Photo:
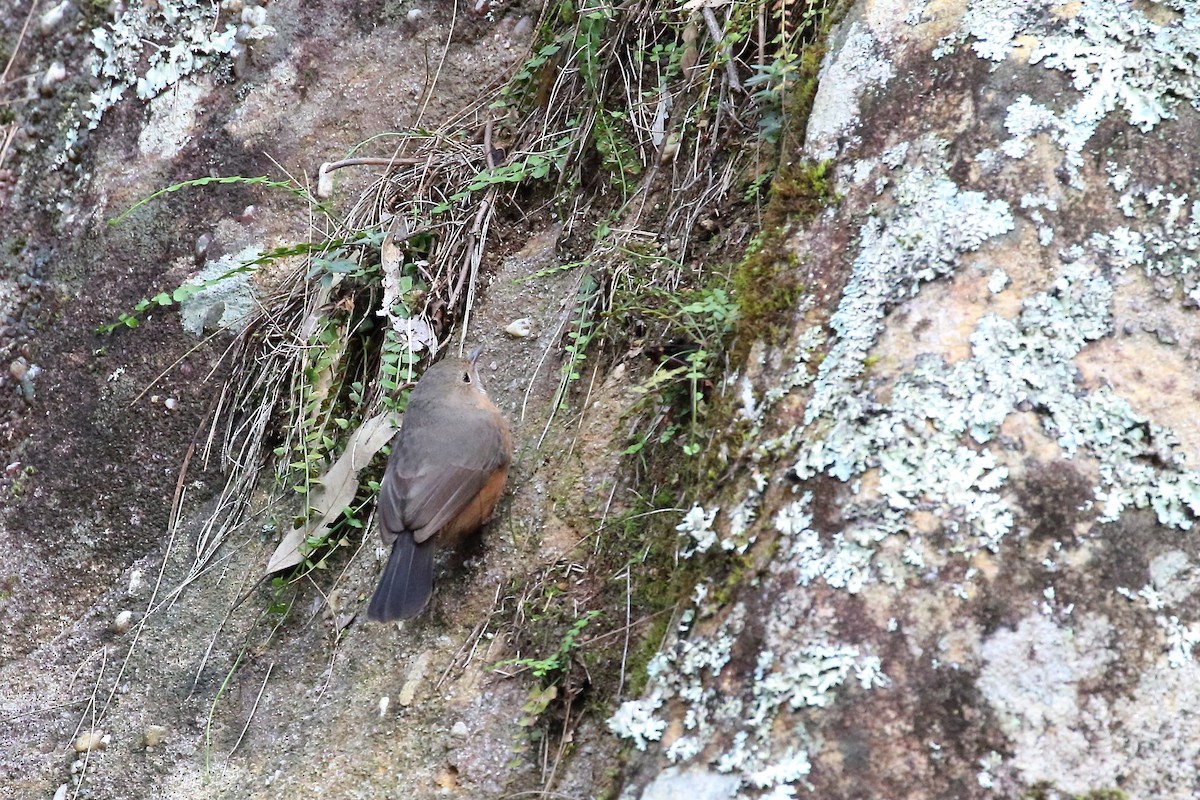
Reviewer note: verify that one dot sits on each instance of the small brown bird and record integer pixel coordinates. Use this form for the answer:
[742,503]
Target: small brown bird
[446,472]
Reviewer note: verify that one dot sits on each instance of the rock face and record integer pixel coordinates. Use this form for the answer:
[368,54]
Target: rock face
[111,683]
[972,489]
[956,558]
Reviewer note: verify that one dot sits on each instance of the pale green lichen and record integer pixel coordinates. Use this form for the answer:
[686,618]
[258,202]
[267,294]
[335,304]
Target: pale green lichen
[997,281]
[1116,54]
[797,375]
[794,671]
[992,24]
[697,529]
[1165,591]
[932,224]
[858,67]
[1163,234]
[1117,57]
[915,441]
[149,47]
[228,302]
[929,434]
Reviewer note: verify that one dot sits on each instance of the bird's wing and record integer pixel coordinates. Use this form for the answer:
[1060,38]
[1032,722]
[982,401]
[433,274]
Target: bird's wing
[441,496]
[422,497]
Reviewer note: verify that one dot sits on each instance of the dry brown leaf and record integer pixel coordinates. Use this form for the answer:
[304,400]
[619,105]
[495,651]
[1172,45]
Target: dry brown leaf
[337,489]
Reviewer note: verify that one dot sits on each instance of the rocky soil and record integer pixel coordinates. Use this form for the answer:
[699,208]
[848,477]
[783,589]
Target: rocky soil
[112,684]
[941,546]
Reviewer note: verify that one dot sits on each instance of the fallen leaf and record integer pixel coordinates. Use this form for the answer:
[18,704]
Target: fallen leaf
[337,489]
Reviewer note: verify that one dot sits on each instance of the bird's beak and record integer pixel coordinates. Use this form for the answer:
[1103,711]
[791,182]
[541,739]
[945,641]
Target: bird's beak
[475,354]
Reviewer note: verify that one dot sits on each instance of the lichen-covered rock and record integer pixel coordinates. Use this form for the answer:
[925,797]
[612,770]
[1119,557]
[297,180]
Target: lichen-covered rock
[974,484]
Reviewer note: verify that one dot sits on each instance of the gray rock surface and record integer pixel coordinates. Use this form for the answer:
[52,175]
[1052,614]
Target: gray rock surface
[959,535]
[976,473]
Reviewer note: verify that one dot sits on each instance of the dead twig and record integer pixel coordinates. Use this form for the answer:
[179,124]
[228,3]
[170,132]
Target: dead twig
[253,708]
[12,58]
[718,36]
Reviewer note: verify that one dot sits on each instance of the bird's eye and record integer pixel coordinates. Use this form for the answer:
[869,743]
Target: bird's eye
[466,377]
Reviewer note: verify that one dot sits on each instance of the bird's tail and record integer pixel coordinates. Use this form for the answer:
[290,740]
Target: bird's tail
[407,581]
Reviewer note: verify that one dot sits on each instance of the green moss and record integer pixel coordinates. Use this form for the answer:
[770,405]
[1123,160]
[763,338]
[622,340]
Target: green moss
[633,563]
[799,191]
[766,283]
[639,657]
[610,784]
[767,288]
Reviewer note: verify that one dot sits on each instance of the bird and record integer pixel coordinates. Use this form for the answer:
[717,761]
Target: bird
[446,472]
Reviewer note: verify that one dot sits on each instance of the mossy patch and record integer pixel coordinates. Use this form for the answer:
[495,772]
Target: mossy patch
[766,283]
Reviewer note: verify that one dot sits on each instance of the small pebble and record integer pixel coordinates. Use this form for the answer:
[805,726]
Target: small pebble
[18,369]
[447,779]
[460,729]
[203,242]
[171,403]
[123,621]
[415,14]
[415,678]
[55,75]
[53,17]
[384,702]
[324,182]
[91,740]
[154,735]
[61,793]
[520,328]
[254,16]
[670,149]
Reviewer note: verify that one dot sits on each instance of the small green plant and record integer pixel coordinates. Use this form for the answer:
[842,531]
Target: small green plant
[330,372]
[326,255]
[548,271]
[262,180]
[19,484]
[552,668]
[696,326]
[770,84]
[774,80]
[279,607]
[583,328]
[617,154]
[521,169]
